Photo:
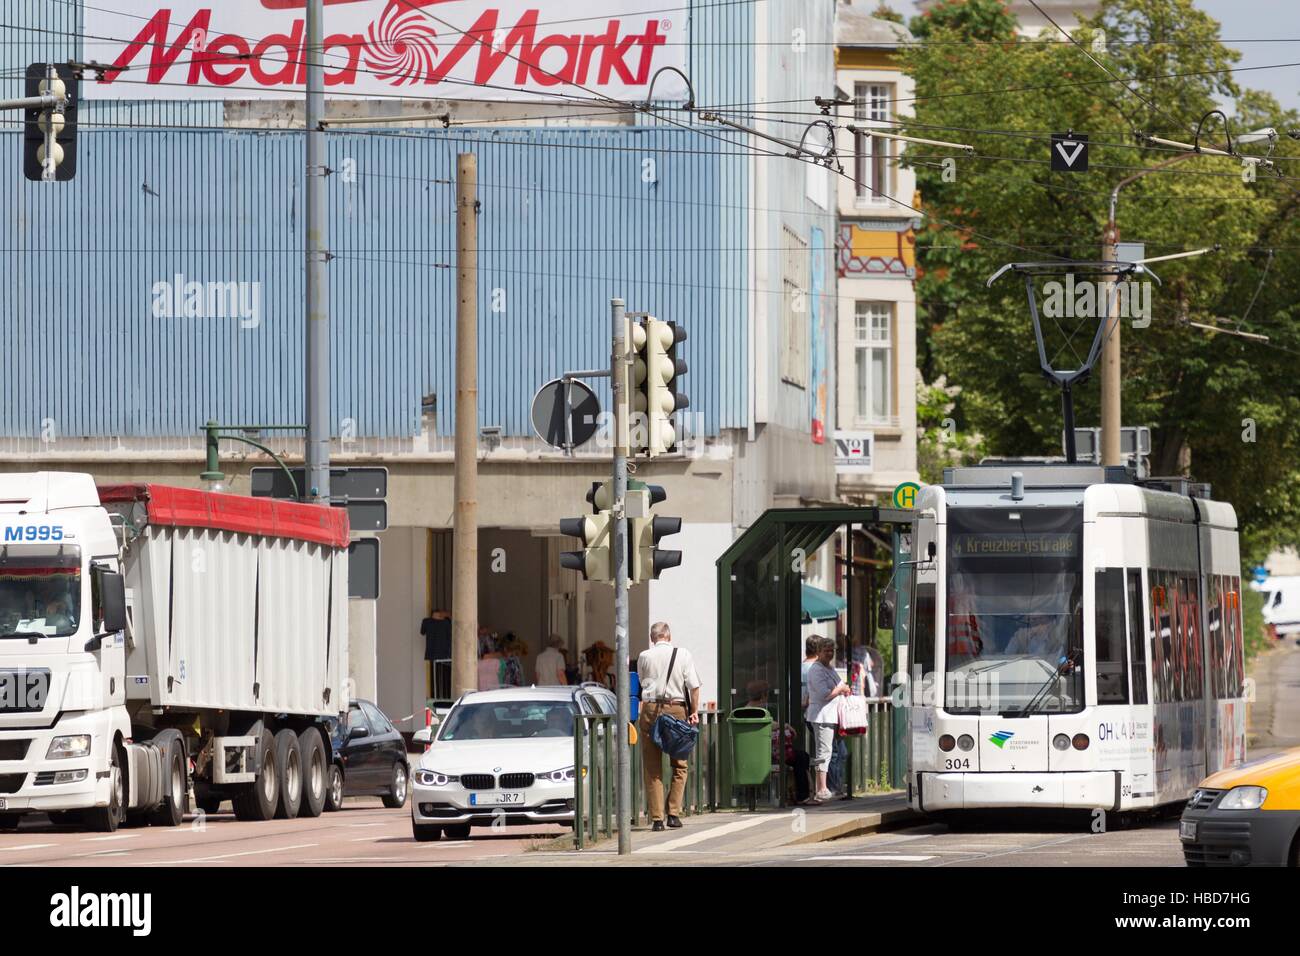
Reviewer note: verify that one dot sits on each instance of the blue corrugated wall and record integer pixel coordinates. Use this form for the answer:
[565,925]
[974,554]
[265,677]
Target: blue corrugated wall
[570,218]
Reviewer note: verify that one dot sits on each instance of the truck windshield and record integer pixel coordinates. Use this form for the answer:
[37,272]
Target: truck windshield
[1014,623]
[40,590]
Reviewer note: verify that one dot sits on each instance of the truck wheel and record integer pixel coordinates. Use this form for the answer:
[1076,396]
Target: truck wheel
[258,802]
[109,818]
[334,793]
[315,776]
[289,762]
[176,781]
[395,798]
[425,833]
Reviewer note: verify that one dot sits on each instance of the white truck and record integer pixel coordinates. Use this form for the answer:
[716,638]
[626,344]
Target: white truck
[157,642]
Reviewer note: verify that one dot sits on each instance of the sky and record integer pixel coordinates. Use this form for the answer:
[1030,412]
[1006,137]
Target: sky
[1276,22]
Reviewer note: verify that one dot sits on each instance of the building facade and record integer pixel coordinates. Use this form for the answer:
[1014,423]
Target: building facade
[162,288]
[879,213]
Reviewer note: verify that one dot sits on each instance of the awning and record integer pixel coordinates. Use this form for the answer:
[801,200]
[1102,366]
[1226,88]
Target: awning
[819,605]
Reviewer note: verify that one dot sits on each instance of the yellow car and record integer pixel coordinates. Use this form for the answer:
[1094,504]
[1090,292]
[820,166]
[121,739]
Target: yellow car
[1249,815]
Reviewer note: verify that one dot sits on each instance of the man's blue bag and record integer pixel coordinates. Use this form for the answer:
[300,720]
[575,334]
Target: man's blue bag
[673,736]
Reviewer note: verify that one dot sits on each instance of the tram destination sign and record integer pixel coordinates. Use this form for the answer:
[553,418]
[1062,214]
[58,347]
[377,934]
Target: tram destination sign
[1024,545]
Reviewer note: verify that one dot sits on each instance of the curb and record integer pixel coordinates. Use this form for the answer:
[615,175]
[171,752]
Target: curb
[866,823]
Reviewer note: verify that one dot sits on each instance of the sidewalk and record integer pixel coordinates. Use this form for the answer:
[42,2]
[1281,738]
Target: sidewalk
[738,832]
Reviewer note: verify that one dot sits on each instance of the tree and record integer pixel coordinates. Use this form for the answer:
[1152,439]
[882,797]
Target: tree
[1205,395]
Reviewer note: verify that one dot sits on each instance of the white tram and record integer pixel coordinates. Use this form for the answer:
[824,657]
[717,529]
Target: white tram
[1075,639]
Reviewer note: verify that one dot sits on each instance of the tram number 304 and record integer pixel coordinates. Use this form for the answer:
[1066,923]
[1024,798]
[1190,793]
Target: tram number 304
[957,763]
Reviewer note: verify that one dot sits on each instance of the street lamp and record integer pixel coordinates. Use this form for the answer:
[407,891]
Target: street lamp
[213,435]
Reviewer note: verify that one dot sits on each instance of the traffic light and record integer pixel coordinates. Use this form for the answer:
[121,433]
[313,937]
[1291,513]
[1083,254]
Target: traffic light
[38,121]
[593,561]
[655,375]
[646,559]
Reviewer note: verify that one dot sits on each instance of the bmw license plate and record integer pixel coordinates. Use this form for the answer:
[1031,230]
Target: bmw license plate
[1187,830]
[494,799]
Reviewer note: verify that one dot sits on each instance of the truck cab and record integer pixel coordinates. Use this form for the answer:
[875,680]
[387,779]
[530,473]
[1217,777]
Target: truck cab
[63,724]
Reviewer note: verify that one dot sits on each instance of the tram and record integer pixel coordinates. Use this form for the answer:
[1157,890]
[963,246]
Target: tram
[1075,637]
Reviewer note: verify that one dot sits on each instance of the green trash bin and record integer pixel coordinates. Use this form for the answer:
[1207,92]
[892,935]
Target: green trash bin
[751,745]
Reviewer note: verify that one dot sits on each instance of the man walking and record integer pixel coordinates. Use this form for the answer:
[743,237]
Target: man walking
[669,685]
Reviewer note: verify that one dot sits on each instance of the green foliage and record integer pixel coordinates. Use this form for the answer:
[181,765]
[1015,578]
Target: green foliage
[886,12]
[940,443]
[1199,391]
[1255,636]
[978,19]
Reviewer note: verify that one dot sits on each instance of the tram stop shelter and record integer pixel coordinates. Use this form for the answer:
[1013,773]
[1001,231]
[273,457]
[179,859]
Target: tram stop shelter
[763,599]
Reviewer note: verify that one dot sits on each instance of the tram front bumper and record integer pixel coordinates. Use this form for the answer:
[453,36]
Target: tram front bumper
[1065,790]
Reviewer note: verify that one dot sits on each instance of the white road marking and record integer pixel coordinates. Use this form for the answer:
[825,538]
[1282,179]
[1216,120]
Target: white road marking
[708,834]
[25,846]
[883,857]
[103,853]
[115,836]
[228,856]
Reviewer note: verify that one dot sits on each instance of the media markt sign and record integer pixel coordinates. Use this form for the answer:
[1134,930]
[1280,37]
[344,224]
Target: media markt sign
[454,49]
[854,452]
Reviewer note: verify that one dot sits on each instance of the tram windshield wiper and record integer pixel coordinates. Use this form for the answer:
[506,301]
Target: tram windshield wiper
[1068,663]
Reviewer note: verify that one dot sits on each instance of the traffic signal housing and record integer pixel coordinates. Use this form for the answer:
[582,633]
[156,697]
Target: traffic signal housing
[657,371]
[646,560]
[37,121]
[596,533]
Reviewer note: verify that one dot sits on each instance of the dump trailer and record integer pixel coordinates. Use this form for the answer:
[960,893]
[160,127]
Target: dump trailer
[160,645]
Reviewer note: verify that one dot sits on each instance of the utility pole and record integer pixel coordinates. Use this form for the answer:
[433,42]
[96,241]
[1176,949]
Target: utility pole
[464,597]
[618,366]
[1111,412]
[1110,354]
[316,458]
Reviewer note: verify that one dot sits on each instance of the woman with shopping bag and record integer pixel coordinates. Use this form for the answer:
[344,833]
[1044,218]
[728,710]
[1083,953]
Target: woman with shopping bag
[825,690]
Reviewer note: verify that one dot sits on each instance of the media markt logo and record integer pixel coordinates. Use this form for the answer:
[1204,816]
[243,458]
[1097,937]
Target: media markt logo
[1000,737]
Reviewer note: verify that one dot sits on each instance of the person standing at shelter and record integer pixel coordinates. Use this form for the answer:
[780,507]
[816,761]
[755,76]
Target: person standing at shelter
[549,669]
[824,690]
[669,685]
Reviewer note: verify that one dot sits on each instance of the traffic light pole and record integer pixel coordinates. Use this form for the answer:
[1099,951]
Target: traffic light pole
[619,379]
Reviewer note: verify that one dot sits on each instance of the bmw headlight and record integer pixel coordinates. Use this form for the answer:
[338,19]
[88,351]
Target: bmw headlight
[432,778]
[563,775]
[1243,798]
[77,745]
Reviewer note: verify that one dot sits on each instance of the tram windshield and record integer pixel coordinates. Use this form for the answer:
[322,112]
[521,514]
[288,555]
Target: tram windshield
[1014,611]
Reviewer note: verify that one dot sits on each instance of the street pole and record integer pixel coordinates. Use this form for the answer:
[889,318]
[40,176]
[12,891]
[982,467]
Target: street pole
[464,597]
[316,458]
[619,379]
[1110,355]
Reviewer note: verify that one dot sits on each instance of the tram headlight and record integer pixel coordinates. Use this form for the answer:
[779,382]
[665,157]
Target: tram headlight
[966,742]
[1061,742]
[1080,741]
[1243,798]
[946,743]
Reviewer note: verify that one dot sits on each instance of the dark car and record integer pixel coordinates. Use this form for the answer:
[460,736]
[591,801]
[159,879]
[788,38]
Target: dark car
[370,758]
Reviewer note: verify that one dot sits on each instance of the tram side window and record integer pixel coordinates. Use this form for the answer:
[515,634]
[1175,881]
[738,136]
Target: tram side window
[1216,637]
[1137,637]
[922,636]
[1162,600]
[1112,665]
[1194,684]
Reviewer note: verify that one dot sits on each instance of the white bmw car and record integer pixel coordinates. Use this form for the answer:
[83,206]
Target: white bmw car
[502,756]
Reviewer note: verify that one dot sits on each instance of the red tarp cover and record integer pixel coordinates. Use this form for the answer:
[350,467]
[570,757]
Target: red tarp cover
[189,508]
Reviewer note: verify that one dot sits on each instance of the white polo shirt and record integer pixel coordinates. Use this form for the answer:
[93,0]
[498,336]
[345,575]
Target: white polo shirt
[656,683]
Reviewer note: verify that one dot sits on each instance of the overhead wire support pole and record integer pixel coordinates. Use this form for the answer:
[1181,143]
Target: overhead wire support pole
[618,366]
[464,577]
[317,400]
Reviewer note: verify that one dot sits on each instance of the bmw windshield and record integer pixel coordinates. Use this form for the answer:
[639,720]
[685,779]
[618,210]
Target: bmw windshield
[1014,621]
[40,590]
[509,720]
